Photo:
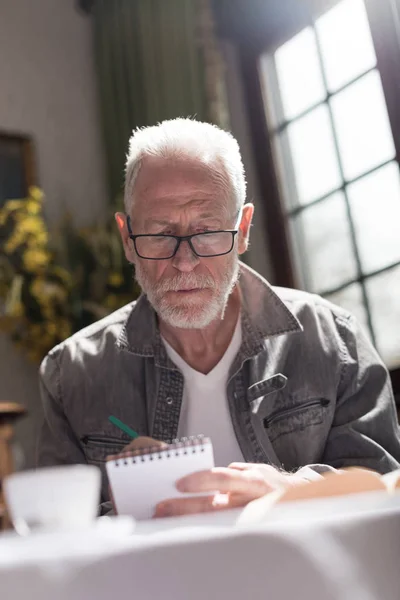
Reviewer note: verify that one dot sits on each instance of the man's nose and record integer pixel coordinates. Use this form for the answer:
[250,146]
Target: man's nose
[185,259]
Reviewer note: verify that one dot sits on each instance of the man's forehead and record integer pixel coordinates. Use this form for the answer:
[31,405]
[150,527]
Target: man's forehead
[193,211]
[158,176]
[167,189]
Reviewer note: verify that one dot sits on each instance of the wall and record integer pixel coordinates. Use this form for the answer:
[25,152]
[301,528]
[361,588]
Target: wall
[47,90]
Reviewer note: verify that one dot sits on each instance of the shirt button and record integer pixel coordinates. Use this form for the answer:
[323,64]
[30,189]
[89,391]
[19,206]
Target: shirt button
[235,395]
[169,400]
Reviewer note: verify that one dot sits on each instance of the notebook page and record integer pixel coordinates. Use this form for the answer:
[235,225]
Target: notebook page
[139,483]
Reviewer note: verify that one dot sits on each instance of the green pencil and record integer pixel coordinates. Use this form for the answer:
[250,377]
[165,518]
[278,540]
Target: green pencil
[123,427]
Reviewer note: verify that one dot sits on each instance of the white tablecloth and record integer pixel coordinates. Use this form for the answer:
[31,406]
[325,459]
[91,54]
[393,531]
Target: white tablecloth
[332,550]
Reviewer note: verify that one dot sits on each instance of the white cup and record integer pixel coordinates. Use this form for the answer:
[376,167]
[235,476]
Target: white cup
[64,497]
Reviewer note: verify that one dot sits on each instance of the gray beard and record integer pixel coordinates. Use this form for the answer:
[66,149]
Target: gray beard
[188,315]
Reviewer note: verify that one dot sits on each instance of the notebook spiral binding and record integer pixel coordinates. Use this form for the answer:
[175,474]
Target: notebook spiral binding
[179,447]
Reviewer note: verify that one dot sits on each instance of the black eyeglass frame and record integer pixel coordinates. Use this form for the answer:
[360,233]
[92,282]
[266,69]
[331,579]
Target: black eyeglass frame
[183,238]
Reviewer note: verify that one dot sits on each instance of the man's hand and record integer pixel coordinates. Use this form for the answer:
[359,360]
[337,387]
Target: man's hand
[144,442]
[237,485]
[230,487]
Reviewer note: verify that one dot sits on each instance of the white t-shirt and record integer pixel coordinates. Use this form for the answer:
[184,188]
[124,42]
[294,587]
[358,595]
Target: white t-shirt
[205,407]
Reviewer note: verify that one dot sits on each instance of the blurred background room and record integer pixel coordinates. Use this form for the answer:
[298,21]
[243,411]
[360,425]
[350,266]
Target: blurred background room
[311,90]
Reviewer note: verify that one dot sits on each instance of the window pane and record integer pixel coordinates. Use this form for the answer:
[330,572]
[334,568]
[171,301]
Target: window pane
[362,126]
[346,43]
[351,299]
[375,208]
[324,244]
[384,293]
[299,74]
[313,154]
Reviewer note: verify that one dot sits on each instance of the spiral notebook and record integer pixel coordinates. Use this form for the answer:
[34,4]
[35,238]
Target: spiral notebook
[141,479]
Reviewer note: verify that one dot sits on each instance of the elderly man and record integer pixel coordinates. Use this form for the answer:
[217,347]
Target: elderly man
[277,377]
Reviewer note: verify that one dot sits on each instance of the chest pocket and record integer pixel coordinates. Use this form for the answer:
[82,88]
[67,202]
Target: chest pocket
[283,412]
[98,447]
[296,414]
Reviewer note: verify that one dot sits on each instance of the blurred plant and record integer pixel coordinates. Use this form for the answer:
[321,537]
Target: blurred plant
[52,286]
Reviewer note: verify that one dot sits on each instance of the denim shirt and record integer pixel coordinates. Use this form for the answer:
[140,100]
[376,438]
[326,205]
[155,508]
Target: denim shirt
[306,387]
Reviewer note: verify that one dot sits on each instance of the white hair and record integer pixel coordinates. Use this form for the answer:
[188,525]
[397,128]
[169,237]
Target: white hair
[192,140]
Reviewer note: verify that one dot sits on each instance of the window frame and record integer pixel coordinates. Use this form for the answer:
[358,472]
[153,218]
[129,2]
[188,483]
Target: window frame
[251,46]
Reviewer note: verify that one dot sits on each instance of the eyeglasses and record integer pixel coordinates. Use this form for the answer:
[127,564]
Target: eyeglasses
[159,246]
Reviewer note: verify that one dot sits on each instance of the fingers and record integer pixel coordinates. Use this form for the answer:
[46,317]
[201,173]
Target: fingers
[225,480]
[237,485]
[190,506]
[144,442]
[240,466]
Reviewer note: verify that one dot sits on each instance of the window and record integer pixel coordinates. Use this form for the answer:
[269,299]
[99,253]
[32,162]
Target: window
[336,160]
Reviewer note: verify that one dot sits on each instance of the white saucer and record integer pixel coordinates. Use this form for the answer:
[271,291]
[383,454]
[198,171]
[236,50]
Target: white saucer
[108,527]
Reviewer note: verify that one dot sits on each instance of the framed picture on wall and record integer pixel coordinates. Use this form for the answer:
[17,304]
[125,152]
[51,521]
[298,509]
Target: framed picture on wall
[17,171]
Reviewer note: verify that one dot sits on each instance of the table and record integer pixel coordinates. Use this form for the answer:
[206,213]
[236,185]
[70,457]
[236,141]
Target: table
[342,549]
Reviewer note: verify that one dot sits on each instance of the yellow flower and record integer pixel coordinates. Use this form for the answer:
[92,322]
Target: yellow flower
[26,230]
[32,224]
[50,285]
[35,259]
[36,193]
[33,207]
[62,274]
[13,242]
[9,207]
[37,241]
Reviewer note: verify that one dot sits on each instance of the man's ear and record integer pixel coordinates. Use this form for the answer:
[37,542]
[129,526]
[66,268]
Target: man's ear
[244,227]
[127,243]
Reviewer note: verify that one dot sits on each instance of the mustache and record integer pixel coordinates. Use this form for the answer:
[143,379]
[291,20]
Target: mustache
[185,282]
